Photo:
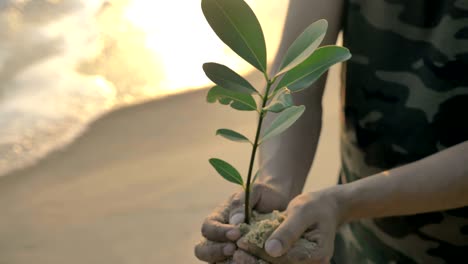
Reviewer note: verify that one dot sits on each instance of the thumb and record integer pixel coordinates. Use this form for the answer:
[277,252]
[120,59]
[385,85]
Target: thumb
[286,235]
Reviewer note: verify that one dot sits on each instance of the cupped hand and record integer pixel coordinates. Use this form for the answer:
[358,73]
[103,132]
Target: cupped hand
[220,229]
[313,216]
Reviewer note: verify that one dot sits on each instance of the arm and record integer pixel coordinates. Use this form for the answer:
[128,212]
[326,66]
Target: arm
[438,182]
[285,156]
[435,183]
[286,160]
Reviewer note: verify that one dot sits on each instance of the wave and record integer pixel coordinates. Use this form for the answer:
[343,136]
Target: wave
[62,65]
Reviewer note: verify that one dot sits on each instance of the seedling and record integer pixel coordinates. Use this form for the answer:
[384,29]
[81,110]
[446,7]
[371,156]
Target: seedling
[304,62]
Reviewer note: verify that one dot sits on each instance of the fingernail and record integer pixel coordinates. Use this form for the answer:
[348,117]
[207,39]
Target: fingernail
[241,243]
[233,234]
[273,248]
[229,250]
[236,219]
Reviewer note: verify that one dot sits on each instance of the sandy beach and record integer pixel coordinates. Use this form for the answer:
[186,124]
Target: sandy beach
[135,187]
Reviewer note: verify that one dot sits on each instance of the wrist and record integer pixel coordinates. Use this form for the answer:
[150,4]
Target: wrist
[283,186]
[340,200]
[356,201]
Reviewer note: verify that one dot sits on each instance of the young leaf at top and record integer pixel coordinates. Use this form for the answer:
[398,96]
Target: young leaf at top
[227,78]
[283,121]
[282,100]
[237,26]
[306,73]
[239,101]
[227,171]
[232,135]
[304,45]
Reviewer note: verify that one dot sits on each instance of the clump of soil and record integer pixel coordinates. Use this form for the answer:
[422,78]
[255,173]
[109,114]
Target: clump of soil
[262,226]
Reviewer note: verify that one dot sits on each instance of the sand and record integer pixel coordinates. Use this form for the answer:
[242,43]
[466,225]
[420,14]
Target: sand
[135,187]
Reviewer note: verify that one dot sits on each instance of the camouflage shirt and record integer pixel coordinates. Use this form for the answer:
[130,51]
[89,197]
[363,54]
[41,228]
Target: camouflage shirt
[406,98]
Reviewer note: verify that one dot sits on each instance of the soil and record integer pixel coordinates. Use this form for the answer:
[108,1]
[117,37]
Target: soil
[262,226]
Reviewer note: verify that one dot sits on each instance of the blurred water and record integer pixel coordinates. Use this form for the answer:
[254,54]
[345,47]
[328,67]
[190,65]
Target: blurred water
[63,63]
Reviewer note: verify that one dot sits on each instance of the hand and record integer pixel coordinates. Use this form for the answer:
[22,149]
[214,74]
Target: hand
[315,216]
[219,228]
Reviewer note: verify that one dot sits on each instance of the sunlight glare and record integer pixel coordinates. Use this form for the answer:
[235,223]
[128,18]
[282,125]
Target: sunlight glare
[178,34]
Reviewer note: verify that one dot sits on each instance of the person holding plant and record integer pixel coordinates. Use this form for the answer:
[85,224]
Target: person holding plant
[403,191]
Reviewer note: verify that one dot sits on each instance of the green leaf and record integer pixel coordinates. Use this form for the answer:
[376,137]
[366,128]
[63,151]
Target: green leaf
[283,121]
[282,100]
[304,83]
[227,78]
[239,101]
[306,73]
[237,26]
[227,171]
[232,135]
[304,45]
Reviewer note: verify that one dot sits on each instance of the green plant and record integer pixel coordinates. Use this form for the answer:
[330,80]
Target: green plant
[237,26]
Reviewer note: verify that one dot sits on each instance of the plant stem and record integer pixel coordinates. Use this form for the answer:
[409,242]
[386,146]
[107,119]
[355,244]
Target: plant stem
[254,152]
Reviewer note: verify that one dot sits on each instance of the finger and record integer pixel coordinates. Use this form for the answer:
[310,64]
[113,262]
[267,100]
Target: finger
[267,199]
[237,212]
[306,252]
[243,257]
[301,252]
[286,234]
[218,232]
[260,253]
[314,235]
[323,242]
[312,247]
[209,251]
[252,249]
[215,227]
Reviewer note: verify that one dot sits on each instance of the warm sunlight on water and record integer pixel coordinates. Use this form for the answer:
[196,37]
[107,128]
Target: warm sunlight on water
[65,63]
[182,40]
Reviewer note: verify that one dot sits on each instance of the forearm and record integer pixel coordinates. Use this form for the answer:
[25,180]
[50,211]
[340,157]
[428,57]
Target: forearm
[287,159]
[438,182]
